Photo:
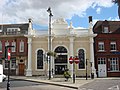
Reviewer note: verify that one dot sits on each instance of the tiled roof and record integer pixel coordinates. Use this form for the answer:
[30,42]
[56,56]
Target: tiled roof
[114,26]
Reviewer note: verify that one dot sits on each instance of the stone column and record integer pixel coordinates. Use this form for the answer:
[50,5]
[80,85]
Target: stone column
[92,57]
[93,70]
[29,67]
[29,36]
[71,51]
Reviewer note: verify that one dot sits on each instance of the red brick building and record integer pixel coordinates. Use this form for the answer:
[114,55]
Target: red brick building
[13,34]
[107,48]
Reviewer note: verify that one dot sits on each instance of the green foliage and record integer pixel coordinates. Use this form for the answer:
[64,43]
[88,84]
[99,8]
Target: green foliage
[52,54]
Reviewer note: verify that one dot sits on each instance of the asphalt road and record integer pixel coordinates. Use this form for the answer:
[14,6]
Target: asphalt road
[102,84]
[27,85]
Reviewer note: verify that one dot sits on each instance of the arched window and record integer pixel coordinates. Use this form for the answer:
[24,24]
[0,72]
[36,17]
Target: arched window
[81,56]
[40,59]
[61,49]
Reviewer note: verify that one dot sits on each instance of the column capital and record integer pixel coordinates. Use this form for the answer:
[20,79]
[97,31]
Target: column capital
[71,38]
[29,40]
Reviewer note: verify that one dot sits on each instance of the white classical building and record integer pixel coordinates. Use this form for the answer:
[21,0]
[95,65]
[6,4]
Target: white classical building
[66,41]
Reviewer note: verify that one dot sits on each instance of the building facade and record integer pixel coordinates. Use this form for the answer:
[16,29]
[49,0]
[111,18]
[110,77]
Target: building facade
[13,35]
[65,42]
[107,48]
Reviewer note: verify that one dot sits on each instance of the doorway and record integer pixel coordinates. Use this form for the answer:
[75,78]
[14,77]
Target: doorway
[61,60]
[59,69]
[102,70]
[21,69]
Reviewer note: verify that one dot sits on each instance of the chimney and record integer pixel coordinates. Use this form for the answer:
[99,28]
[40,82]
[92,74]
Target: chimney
[90,19]
[90,25]
[30,26]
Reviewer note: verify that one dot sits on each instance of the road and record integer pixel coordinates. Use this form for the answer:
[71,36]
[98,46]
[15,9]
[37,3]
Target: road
[98,84]
[102,84]
[27,85]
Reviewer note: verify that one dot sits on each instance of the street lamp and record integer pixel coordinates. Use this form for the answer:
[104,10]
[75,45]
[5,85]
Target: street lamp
[73,60]
[7,57]
[50,15]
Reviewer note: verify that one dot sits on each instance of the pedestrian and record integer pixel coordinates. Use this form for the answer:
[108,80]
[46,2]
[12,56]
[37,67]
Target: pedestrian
[66,74]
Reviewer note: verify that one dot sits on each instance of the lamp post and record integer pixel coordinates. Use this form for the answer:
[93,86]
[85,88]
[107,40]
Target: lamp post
[7,57]
[73,60]
[50,15]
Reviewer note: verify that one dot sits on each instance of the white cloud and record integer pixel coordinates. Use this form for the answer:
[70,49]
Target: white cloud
[113,19]
[98,10]
[21,10]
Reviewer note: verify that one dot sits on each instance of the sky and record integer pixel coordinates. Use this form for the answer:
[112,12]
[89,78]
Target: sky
[75,11]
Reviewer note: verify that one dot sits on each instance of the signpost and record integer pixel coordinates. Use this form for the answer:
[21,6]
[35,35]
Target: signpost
[73,60]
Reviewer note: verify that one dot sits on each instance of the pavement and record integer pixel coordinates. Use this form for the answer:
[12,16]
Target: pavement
[56,81]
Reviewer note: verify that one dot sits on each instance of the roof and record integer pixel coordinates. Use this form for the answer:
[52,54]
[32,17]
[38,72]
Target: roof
[114,26]
[23,27]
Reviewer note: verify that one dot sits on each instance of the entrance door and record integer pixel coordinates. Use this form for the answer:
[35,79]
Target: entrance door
[102,70]
[21,69]
[59,69]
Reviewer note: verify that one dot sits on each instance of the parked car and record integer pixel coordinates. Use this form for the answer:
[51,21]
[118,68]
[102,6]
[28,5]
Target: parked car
[2,77]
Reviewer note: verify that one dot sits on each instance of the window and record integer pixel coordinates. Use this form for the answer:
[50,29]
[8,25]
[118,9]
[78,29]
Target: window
[13,31]
[102,60]
[61,49]
[113,46]
[61,59]
[13,63]
[6,43]
[101,46]
[0,46]
[13,48]
[81,56]
[114,64]
[21,46]
[6,64]
[40,59]
[105,30]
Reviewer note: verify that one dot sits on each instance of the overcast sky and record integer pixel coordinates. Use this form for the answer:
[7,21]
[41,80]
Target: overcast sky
[18,11]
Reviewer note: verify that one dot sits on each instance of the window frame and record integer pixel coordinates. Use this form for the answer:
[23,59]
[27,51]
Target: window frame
[13,49]
[84,58]
[1,46]
[105,29]
[22,46]
[101,60]
[114,63]
[40,59]
[101,46]
[12,31]
[114,48]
